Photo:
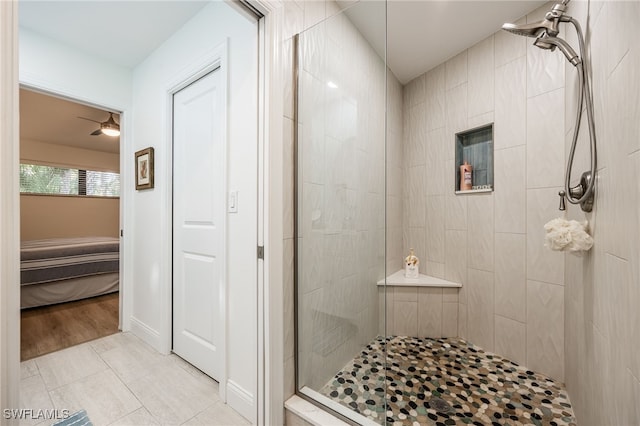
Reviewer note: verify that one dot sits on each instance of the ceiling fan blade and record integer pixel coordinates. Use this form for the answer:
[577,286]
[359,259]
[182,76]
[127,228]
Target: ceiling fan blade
[89,119]
[97,132]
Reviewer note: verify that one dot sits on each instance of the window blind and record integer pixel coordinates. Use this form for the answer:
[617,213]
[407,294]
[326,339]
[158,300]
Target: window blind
[39,179]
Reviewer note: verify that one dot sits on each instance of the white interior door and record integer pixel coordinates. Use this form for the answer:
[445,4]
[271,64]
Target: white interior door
[199,224]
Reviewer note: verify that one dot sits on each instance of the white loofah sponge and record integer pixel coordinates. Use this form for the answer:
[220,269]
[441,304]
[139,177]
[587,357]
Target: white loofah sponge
[568,235]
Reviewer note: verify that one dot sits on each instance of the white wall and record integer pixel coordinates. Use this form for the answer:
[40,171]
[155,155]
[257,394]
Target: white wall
[150,227]
[602,319]
[58,68]
[512,299]
[54,67]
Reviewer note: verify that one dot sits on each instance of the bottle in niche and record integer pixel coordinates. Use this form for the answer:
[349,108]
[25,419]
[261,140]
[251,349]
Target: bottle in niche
[411,264]
[466,172]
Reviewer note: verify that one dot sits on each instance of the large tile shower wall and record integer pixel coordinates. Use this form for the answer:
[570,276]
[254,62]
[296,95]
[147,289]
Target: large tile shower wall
[512,299]
[573,318]
[341,175]
[602,329]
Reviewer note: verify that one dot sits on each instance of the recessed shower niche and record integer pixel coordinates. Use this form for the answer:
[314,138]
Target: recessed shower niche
[474,160]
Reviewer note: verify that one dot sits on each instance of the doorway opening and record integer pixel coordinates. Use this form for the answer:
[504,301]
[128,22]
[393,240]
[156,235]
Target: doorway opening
[70,223]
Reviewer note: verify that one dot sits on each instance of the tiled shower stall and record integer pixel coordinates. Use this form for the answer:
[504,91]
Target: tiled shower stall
[573,318]
[511,301]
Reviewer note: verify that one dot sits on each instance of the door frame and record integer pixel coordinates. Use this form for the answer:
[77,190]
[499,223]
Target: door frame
[270,320]
[9,210]
[271,70]
[215,58]
[45,89]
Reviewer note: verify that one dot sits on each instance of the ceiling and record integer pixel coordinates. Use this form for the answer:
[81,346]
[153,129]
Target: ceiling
[424,34]
[122,32]
[421,35]
[54,120]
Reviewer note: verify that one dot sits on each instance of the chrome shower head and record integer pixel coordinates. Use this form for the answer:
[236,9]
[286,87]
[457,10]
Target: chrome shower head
[546,31]
[534,30]
[548,26]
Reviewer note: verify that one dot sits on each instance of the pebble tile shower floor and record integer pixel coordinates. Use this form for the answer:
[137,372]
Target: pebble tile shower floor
[446,382]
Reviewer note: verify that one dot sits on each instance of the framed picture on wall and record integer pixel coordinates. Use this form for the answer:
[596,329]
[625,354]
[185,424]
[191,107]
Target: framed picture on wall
[144,169]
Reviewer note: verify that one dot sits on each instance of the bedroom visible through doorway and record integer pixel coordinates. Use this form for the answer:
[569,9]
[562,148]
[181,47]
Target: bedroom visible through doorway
[69,223]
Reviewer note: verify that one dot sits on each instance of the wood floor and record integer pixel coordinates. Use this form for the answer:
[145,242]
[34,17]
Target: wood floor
[51,328]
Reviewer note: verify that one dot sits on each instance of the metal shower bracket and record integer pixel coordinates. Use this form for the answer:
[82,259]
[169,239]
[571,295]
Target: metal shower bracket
[578,191]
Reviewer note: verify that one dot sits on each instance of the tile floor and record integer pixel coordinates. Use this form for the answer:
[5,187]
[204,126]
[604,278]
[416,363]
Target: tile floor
[120,380]
[409,381]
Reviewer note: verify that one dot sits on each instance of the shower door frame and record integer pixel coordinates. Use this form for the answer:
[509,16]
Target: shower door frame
[342,413]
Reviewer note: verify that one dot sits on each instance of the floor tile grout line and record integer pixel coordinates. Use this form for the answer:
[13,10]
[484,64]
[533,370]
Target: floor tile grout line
[126,385]
[76,380]
[163,361]
[130,413]
[191,418]
[166,358]
[108,368]
[132,393]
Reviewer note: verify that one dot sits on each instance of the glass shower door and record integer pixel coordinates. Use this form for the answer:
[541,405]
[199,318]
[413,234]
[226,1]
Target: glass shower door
[340,217]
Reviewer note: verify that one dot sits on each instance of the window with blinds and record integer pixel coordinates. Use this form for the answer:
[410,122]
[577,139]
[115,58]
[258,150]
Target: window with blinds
[39,179]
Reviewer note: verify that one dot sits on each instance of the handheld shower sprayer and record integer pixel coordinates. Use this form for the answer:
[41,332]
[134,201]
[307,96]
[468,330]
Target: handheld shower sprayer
[546,37]
[549,42]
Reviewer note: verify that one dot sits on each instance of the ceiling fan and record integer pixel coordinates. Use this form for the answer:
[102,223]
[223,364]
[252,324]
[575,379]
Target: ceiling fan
[108,127]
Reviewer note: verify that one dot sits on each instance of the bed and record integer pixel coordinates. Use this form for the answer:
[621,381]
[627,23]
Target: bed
[66,269]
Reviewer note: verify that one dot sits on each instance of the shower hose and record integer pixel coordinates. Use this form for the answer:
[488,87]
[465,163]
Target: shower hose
[584,96]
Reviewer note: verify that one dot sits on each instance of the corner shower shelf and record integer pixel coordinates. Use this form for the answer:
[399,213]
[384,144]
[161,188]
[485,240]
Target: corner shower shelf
[398,279]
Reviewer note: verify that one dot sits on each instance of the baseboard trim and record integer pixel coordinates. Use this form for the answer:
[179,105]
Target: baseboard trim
[241,400]
[146,333]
